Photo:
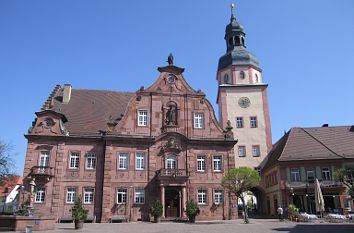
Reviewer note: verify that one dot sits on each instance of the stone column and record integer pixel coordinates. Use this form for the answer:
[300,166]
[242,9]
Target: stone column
[162,194]
[184,201]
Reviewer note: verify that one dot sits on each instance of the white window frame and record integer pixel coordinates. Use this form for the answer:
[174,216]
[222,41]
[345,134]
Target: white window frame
[140,161]
[308,171]
[123,161]
[123,193]
[218,197]
[295,175]
[239,122]
[253,122]
[239,150]
[202,197]
[142,117]
[40,195]
[171,162]
[74,160]
[201,164]
[91,161]
[326,173]
[139,197]
[198,120]
[256,151]
[217,163]
[89,195]
[43,160]
[70,195]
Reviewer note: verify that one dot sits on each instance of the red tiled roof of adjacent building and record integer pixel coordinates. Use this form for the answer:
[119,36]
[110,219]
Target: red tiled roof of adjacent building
[313,144]
[89,111]
[9,184]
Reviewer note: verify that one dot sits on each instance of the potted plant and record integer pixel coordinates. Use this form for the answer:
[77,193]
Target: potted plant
[79,213]
[156,210]
[192,210]
[293,212]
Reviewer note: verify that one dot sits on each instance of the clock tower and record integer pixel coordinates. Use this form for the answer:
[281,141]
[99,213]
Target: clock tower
[242,98]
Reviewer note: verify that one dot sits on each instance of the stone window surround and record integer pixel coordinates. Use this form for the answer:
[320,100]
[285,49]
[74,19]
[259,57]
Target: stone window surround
[221,163]
[218,191]
[168,157]
[253,120]
[238,151]
[143,161]
[122,191]
[139,191]
[205,199]
[41,154]
[259,150]
[44,192]
[74,196]
[83,195]
[201,121]
[127,161]
[239,122]
[142,123]
[203,165]
[87,154]
[69,160]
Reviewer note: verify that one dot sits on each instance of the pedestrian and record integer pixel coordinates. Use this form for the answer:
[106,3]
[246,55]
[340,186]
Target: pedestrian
[280,213]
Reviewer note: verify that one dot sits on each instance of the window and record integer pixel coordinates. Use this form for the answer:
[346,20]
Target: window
[198,120]
[70,195]
[200,163]
[202,197]
[239,122]
[242,75]
[74,160]
[123,161]
[217,163]
[88,195]
[295,174]
[139,196]
[218,197]
[326,173]
[122,196]
[226,78]
[310,175]
[139,161]
[253,122]
[242,151]
[43,159]
[40,195]
[142,118]
[171,163]
[90,161]
[256,152]
[256,78]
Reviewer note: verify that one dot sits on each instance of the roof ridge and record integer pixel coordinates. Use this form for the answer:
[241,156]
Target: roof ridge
[286,143]
[324,145]
[49,102]
[128,92]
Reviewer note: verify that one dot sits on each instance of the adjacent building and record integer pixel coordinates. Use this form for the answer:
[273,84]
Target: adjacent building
[301,156]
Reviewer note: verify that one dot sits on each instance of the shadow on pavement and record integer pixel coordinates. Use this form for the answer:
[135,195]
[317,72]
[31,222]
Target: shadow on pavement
[322,228]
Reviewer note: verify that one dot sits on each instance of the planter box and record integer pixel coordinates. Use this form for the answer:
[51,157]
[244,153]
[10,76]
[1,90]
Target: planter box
[19,223]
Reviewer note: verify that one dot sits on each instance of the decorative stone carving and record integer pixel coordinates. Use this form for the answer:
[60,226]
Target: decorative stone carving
[228,134]
[172,144]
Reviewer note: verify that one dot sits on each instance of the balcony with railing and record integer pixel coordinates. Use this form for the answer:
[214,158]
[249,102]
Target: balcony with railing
[42,171]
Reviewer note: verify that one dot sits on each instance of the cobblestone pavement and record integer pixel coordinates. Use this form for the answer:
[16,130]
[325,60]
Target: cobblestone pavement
[256,226]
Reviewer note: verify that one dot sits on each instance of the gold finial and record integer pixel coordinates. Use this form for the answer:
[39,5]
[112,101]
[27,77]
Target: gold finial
[232,6]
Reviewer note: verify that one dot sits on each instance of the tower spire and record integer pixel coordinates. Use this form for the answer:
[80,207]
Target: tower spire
[232,6]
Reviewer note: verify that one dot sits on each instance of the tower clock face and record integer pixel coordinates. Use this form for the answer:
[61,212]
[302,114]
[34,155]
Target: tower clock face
[244,102]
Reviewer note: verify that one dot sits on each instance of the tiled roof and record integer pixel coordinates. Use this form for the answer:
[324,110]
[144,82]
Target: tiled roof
[312,144]
[89,111]
[9,184]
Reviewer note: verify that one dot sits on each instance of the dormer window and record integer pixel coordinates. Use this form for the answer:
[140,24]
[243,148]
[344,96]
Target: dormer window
[242,75]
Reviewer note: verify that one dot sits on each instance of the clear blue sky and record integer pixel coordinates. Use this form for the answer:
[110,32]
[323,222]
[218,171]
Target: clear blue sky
[305,48]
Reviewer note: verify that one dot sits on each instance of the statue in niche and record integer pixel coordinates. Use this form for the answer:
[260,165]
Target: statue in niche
[171,115]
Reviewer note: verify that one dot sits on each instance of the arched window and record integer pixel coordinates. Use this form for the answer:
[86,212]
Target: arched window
[231,41]
[237,40]
[243,41]
[226,78]
[242,74]
[171,162]
[256,78]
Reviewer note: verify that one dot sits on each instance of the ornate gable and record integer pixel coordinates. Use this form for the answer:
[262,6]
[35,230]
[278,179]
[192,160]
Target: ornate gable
[49,122]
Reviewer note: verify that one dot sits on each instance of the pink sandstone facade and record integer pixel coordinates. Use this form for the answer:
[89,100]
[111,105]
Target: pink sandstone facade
[122,151]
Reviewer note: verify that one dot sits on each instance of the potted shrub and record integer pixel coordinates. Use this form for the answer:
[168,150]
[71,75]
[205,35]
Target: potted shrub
[192,210]
[79,213]
[156,210]
[293,212]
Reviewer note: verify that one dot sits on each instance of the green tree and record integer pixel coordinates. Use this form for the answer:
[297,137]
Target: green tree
[240,180]
[346,176]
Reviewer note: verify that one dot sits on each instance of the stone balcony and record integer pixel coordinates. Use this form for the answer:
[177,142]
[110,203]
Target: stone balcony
[39,171]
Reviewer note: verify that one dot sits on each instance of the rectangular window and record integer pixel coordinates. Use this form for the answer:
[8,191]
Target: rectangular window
[139,161]
[326,173]
[40,195]
[90,161]
[88,195]
[198,120]
[242,151]
[74,160]
[310,175]
[218,197]
[139,196]
[239,122]
[217,163]
[202,197]
[43,159]
[256,152]
[142,117]
[122,196]
[295,175]
[123,161]
[253,122]
[200,163]
[70,195]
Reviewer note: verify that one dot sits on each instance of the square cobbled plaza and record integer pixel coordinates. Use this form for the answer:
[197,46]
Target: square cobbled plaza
[255,226]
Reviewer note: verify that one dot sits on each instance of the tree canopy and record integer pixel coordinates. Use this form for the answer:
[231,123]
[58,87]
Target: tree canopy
[346,176]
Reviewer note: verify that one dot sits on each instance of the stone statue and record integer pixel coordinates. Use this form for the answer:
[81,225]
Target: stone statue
[171,116]
[170,59]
